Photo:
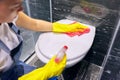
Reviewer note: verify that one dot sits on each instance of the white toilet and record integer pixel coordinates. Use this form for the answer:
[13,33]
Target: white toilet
[50,43]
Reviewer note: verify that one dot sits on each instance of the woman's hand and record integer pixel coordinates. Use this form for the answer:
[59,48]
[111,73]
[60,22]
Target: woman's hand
[51,69]
[70,26]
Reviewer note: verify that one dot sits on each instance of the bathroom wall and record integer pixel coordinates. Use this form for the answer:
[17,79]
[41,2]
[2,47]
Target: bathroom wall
[103,14]
[112,62]
[39,9]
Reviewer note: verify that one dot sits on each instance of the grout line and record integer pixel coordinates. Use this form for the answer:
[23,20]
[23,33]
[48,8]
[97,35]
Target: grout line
[29,57]
[28,7]
[50,10]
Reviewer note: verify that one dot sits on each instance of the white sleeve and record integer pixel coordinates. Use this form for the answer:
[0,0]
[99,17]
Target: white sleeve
[5,60]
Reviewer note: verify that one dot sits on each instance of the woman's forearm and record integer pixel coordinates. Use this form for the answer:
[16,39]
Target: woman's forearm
[27,22]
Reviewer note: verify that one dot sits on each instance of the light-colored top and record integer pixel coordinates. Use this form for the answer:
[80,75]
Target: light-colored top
[9,38]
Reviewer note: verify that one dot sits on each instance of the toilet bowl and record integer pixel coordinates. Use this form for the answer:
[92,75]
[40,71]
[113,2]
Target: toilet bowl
[48,44]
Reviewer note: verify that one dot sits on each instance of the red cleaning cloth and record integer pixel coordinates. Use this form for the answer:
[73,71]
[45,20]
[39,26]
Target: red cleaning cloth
[78,33]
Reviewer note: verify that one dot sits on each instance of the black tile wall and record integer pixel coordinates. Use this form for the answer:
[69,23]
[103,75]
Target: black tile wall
[67,8]
[111,4]
[116,46]
[112,66]
[112,69]
[24,7]
[104,33]
[60,8]
[94,57]
[40,9]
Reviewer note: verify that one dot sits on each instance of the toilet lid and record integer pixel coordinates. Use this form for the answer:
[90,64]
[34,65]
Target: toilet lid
[49,44]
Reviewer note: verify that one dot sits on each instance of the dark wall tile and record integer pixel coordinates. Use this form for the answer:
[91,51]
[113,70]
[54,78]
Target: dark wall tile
[33,10]
[74,9]
[103,37]
[111,4]
[112,69]
[40,9]
[60,8]
[32,1]
[44,2]
[94,57]
[116,46]
[24,7]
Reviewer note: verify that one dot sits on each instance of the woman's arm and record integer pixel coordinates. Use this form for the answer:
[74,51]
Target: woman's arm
[27,22]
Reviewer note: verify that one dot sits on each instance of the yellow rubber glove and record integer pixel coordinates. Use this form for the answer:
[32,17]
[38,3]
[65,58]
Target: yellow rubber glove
[73,27]
[51,69]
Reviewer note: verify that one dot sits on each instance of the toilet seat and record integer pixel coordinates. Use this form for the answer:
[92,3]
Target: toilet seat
[50,43]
